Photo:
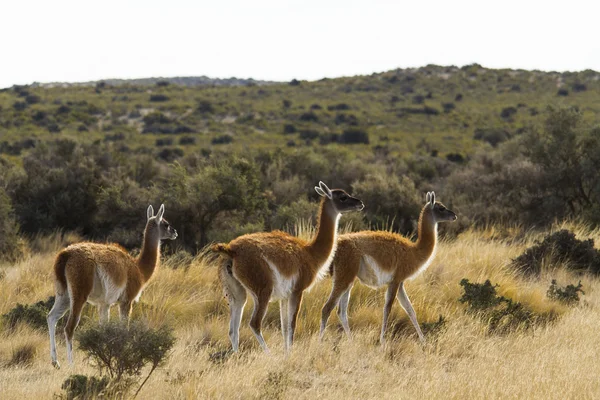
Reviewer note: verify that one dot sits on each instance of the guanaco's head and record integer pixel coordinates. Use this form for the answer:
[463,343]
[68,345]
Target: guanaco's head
[342,201]
[439,211]
[165,230]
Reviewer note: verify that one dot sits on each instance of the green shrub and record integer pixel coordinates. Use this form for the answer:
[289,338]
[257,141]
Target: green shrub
[479,296]
[354,136]
[391,201]
[158,98]
[568,295]
[502,315]
[122,352]
[81,387]
[561,246]
[32,314]
[12,246]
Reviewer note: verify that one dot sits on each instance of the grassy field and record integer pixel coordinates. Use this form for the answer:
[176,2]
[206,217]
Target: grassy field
[464,360]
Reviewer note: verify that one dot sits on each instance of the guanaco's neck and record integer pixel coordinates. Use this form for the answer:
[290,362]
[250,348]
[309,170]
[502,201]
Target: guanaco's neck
[323,242]
[148,259]
[427,233]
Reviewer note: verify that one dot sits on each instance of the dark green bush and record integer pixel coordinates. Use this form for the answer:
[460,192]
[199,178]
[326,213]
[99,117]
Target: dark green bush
[479,296]
[568,295]
[223,139]
[508,112]
[391,201]
[561,246]
[158,98]
[493,136]
[81,387]
[123,352]
[205,107]
[289,129]
[502,315]
[309,117]
[187,140]
[354,136]
[12,246]
[32,314]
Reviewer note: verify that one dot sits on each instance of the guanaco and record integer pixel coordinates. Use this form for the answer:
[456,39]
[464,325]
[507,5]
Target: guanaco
[381,258]
[277,266]
[102,275]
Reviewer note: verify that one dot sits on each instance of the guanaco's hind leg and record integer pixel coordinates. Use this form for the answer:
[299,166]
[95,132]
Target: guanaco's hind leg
[294,303]
[78,300]
[60,307]
[339,290]
[261,302]
[125,311]
[343,311]
[345,269]
[390,294]
[80,282]
[407,306]
[283,314]
[103,313]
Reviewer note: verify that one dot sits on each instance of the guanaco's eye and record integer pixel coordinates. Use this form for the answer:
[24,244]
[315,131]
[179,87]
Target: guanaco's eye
[442,208]
[343,197]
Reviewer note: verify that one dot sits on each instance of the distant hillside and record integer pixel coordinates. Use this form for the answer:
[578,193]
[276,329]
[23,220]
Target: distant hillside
[446,111]
[178,80]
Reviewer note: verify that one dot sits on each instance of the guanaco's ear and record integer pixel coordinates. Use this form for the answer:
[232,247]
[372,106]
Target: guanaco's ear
[320,191]
[325,190]
[428,197]
[432,199]
[150,212]
[160,212]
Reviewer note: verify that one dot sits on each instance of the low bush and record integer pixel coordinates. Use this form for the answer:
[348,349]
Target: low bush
[493,136]
[32,314]
[502,315]
[561,246]
[223,139]
[309,117]
[81,387]
[354,136]
[567,295]
[508,112]
[122,353]
[158,98]
[187,140]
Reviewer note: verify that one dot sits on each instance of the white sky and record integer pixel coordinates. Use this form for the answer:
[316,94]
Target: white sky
[62,40]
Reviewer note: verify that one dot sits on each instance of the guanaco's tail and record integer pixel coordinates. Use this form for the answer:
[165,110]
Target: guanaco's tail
[59,271]
[222,248]
[233,290]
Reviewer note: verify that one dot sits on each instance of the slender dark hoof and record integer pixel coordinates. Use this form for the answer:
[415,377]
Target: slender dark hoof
[55,364]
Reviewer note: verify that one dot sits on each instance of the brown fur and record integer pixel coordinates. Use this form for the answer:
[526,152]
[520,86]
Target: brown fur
[397,258]
[292,257]
[104,274]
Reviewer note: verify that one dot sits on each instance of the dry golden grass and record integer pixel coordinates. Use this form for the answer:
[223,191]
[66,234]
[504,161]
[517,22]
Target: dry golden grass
[557,360]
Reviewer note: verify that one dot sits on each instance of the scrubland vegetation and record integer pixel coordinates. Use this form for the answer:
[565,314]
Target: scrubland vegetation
[509,307]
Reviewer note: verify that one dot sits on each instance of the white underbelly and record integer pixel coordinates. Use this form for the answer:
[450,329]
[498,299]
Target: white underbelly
[104,291]
[282,285]
[371,274]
